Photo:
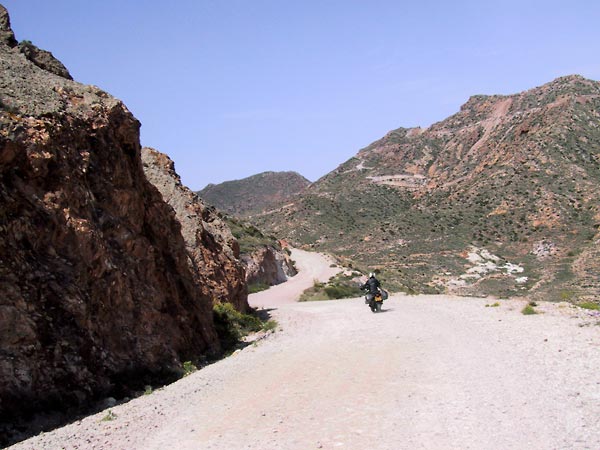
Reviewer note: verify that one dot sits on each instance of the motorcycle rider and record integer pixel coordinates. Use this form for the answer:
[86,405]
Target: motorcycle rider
[372,285]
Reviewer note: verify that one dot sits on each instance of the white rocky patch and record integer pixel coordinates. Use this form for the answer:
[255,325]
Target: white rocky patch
[483,263]
[512,268]
[360,166]
[543,249]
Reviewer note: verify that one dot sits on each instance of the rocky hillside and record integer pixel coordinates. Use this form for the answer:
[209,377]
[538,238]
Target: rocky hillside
[98,297]
[214,252]
[226,253]
[254,194]
[500,198]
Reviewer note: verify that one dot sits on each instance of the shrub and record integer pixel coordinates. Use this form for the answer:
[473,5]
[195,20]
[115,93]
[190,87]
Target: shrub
[566,295]
[232,325]
[528,310]
[257,287]
[317,284]
[590,305]
[270,325]
[337,292]
[188,368]
[109,416]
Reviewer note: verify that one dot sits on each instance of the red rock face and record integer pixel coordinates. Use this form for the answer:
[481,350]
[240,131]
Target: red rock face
[214,252]
[97,294]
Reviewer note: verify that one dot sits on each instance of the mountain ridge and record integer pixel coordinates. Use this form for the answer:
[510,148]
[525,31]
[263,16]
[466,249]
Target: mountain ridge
[254,194]
[507,174]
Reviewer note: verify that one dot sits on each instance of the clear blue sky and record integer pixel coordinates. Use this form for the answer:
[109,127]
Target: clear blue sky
[231,88]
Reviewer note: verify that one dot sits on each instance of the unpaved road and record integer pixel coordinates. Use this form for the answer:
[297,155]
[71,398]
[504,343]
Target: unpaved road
[430,372]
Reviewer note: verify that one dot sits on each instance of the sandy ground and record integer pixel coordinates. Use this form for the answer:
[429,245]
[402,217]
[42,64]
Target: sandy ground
[429,372]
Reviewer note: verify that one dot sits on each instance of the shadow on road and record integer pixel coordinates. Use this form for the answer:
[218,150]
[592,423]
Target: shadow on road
[264,313]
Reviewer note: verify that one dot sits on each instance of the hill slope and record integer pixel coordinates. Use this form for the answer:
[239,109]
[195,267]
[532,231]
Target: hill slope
[500,198]
[254,194]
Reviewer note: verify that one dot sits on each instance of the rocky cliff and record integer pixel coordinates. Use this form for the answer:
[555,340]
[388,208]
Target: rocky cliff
[97,293]
[264,257]
[268,265]
[214,252]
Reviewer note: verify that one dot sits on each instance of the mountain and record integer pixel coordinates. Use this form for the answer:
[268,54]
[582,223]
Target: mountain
[501,198]
[99,297]
[254,194]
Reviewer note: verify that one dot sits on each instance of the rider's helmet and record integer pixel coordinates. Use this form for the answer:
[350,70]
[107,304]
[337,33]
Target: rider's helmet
[371,275]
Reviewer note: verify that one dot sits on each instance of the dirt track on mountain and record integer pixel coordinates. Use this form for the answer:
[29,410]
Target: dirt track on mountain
[429,372]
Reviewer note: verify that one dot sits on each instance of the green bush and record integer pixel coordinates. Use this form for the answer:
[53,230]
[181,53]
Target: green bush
[566,295]
[270,325]
[338,287]
[257,287]
[232,325]
[590,305]
[109,416]
[340,291]
[188,368]
[528,310]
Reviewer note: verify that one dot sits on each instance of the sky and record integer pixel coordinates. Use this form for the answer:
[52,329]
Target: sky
[232,88]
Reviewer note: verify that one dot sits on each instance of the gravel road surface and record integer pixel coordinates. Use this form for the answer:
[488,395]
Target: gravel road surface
[429,372]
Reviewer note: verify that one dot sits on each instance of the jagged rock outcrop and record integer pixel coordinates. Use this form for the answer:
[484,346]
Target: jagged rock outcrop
[268,266]
[7,37]
[44,60]
[214,252]
[41,58]
[97,294]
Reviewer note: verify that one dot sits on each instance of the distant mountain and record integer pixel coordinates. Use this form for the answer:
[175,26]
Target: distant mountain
[500,198]
[255,194]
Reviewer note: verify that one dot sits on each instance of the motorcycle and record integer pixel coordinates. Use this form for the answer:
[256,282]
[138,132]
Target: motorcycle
[375,301]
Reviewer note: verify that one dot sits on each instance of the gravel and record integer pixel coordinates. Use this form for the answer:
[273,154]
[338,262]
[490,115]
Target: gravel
[429,372]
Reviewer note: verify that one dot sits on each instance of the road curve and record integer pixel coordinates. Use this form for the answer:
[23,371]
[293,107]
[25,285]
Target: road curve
[311,267]
[429,372]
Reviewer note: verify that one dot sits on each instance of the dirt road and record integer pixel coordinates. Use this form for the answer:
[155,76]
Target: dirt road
[430,372]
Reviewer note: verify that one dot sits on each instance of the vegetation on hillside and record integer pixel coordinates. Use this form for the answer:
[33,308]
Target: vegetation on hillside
[516,178]
[254,194]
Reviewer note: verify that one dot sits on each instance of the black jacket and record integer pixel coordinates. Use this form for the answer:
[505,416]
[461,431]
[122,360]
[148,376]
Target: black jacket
[372,284]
